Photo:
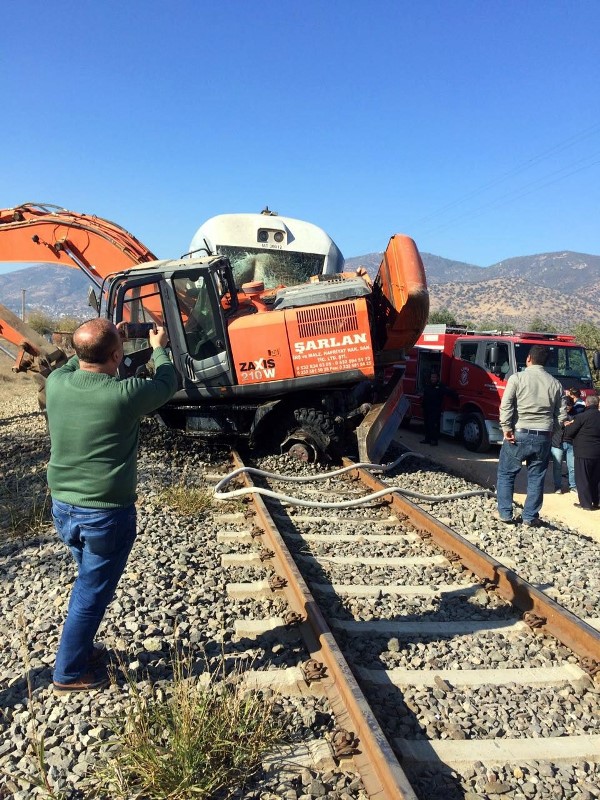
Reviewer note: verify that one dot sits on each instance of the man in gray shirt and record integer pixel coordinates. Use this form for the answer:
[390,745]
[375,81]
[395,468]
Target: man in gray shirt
[530,411]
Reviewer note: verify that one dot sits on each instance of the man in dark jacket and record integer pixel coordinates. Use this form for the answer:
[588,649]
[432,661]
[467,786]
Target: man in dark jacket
[584,432]
[433,397]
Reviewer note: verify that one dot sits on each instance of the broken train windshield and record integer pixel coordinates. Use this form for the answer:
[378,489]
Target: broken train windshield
[272,267]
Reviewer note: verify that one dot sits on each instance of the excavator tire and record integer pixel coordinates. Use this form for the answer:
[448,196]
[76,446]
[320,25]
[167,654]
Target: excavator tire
[315,434]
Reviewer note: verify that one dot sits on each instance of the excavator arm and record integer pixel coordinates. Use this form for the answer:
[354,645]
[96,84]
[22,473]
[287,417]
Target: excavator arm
[33,351]
[45,233]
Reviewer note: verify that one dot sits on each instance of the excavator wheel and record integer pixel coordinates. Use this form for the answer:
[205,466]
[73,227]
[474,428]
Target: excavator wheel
[315,436]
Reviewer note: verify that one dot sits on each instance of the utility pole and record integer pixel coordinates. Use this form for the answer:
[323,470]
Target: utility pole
[23,304]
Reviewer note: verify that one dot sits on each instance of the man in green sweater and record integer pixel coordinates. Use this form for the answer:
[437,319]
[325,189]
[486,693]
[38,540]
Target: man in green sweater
[93,418]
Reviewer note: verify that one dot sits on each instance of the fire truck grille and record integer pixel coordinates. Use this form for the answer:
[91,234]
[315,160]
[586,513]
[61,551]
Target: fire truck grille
[324,320]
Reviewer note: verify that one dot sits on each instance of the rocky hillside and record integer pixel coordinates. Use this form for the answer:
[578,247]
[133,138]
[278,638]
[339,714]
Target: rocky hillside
[566,271]
[561,288]
[513,302]
[439,270]
[55,290]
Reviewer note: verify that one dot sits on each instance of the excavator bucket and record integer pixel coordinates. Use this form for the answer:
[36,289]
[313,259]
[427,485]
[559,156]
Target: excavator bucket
[33,348]
[400,294]
[377,429]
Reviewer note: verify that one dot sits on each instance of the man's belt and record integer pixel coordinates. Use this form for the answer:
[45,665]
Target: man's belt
[530,432]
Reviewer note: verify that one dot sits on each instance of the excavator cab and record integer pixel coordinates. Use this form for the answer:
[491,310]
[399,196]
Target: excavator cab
[192,299]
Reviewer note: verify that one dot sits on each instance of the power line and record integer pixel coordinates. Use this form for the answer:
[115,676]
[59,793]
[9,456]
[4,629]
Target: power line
[526,189]
[565,144]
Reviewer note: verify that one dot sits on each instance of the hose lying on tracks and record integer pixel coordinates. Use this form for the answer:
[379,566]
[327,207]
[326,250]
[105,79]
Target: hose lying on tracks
[297,501]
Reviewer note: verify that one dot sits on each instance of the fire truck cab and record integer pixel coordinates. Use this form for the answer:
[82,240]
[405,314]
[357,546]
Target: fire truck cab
[476,365]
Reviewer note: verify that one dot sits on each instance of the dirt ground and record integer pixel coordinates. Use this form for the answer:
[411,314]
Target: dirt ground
[11,383]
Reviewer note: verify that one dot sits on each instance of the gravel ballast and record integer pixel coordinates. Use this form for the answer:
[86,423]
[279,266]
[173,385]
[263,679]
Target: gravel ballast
[172,593]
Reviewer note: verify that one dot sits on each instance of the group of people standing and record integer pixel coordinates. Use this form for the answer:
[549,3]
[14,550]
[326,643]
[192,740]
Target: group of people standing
[583,434]
[541,424]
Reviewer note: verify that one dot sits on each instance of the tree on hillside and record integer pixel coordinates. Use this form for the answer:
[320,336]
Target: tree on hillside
[44,324]
[442,317]
[41,322]
[67,324]
[589,336]
[540,325]
[492,324]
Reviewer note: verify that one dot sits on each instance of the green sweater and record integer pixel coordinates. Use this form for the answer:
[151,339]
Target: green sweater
[94,422]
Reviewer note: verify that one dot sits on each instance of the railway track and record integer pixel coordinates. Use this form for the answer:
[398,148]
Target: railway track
[447,672]
[419,688]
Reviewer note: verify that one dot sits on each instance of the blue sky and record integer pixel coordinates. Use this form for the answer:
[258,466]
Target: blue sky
[473,127]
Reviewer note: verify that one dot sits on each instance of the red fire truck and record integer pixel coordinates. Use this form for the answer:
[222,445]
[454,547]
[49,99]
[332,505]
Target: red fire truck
[477,364]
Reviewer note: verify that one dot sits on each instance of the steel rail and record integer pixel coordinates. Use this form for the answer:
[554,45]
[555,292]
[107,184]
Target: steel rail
[573,632]
[375,760]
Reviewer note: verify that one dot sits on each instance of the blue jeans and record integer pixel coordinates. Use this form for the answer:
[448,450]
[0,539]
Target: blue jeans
[100,540]
[534,451]
[570,459]
[556,456]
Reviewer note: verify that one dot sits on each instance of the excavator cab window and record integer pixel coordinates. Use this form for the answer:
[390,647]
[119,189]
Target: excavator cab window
[137,303]
[195,295]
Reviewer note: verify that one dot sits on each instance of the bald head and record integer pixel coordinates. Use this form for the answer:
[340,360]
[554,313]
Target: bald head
[96,341]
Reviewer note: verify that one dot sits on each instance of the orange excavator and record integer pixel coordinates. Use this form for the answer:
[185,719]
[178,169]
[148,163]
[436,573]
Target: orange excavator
[272,341]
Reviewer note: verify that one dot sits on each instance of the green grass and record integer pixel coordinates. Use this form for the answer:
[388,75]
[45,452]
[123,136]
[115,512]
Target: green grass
[24,509]
[186,500]
[188,740]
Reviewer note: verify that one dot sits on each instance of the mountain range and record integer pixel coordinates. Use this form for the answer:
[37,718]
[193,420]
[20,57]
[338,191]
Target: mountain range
[561,288]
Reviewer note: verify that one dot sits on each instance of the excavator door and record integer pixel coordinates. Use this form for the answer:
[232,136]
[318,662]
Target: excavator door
[187,301]
[138,302]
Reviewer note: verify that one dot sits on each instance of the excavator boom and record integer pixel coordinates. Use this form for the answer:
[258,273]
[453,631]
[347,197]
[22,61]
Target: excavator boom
[45,233]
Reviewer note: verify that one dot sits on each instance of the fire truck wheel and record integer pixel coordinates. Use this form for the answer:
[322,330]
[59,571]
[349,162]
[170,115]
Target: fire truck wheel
[474,433]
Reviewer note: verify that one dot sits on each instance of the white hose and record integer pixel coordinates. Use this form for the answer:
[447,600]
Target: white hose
[296,501]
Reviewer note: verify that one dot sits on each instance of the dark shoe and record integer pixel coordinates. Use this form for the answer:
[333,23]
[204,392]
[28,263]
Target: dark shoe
[97,657]
[572,489]
[583,508]
[533,523]
[434,444]
[85,683]
[424,441]
[511,521]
